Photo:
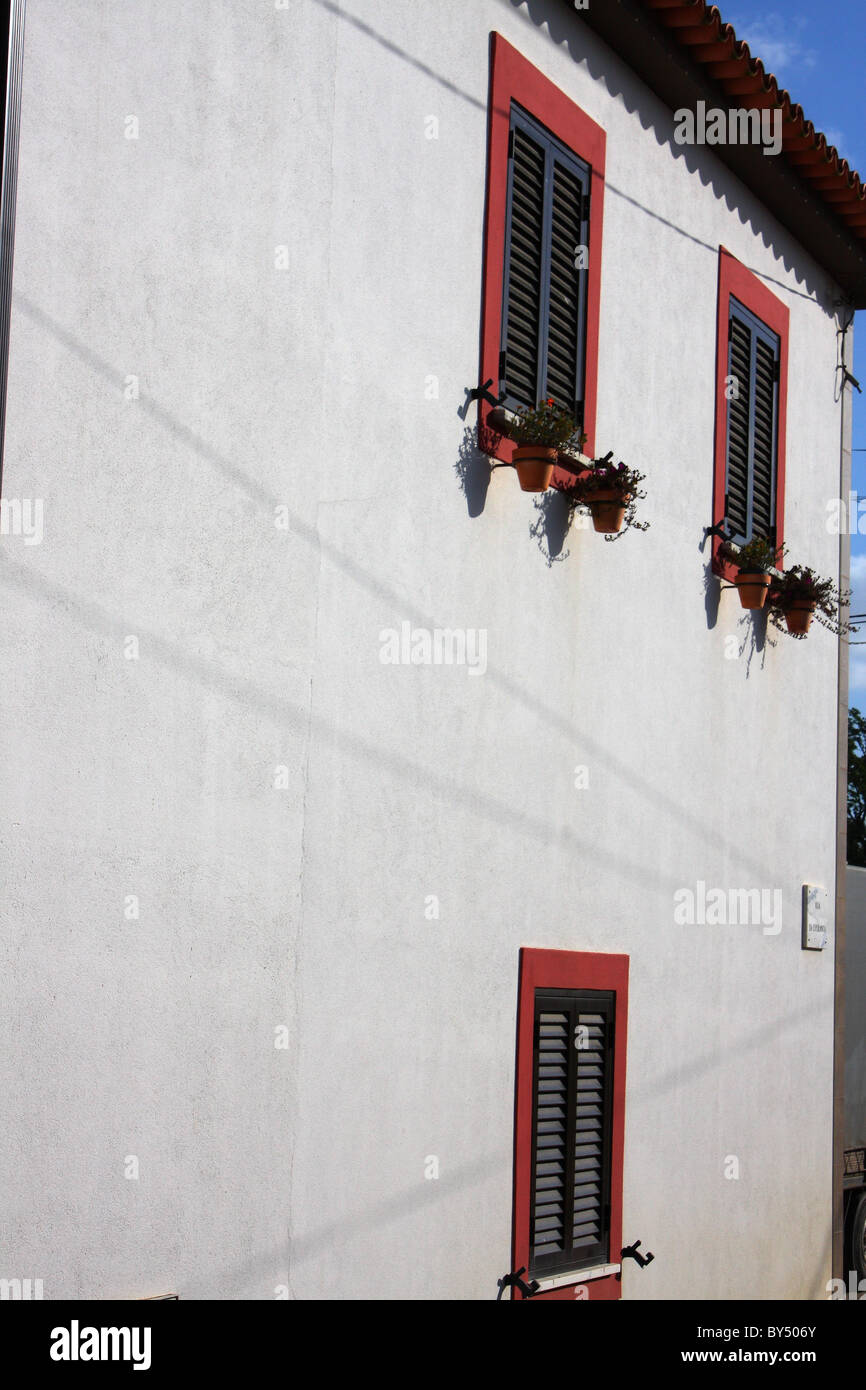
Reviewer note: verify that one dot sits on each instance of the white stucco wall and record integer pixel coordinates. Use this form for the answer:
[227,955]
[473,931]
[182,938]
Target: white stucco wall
[259,649]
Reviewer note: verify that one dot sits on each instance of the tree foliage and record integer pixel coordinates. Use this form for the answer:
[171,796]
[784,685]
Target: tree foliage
[856,788]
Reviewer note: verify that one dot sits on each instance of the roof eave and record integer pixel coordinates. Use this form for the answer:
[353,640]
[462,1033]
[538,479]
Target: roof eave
[660,59]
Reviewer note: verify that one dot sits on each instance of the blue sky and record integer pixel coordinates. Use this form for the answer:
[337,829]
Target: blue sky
[818,52]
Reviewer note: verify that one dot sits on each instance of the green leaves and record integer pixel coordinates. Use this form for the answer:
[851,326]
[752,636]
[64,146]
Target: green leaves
[801,584]
[797,584]
[548,425]
[605,476]
[757,556]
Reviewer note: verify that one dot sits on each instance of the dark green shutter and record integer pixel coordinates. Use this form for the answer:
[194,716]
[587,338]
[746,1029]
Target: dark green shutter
[588,1216]
[764,447]
[572,1116]
[544,304]
[750,471]
[523,304]
[739,415]
[564,294]
[551,1134]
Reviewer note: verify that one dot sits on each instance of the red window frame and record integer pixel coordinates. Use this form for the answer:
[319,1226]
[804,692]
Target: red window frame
[737,281]
[542,969]
[513,78]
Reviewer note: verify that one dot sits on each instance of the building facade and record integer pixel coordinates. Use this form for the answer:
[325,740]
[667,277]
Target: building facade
[328,750]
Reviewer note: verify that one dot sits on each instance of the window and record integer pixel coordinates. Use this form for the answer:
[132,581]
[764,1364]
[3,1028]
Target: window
[545,193]
[751,371]
[546,244]
[569,1211]
[753,380]
[570,1121]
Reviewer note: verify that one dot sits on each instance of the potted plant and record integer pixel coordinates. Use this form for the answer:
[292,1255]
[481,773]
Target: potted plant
[539,435]
[754,562]
[609,492]
[799,594]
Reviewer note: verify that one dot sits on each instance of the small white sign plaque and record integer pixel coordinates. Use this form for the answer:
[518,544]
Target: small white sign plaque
[816,917]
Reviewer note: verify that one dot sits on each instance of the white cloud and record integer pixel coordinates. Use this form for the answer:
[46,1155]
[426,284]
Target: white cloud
[775,39]
[780,43]
[837,138]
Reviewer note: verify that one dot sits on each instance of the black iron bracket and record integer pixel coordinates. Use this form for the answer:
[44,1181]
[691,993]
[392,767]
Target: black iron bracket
[514,1281]
[480,393]
[631,1252]
[719,529]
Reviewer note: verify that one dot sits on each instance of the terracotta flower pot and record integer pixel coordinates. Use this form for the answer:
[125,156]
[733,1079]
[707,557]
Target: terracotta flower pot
[534,465]
[608,509]
[799,615]
[752,588]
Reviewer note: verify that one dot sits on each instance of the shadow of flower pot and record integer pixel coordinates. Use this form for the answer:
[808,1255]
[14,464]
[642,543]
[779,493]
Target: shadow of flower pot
[550,527]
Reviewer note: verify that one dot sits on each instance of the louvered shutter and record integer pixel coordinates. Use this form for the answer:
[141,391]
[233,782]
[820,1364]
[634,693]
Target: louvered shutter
[570,1213]
[750,476]
[588,1215]
[550,1168]
[739,414]
[524,281]
[544,308]
[764,439]
[563,305]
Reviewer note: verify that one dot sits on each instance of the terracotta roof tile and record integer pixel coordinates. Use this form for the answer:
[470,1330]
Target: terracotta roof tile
[727,61]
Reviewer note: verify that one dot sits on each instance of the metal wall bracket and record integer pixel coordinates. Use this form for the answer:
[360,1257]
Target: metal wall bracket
[514,1281]
[719,529]
[631,1252]
[480,393]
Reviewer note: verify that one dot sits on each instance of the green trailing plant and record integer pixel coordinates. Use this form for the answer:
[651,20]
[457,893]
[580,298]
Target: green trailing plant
[757,556]
[605,476]
[801,584]
[789,588]
[549,426]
